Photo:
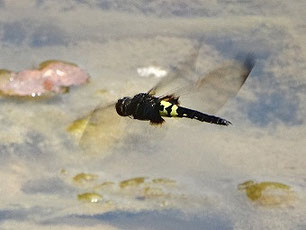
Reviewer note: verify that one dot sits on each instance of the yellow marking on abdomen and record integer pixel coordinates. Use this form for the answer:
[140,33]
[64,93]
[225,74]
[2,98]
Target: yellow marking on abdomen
[173,111]
[166,105]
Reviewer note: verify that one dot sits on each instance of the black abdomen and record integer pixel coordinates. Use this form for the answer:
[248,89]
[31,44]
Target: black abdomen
[193,114]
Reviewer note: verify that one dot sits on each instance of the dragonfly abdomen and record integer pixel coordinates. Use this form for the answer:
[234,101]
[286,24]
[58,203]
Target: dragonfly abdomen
[172,110]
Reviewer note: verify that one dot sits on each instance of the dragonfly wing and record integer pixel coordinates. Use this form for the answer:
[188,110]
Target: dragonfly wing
[101,129]
[179,76]
[210,92]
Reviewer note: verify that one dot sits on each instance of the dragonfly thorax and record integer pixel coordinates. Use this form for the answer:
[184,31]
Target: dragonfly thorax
[142,106]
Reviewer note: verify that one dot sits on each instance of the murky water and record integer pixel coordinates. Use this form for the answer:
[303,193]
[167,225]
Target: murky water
[184,175]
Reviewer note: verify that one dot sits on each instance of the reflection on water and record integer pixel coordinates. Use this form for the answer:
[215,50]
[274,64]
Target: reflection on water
[179,176]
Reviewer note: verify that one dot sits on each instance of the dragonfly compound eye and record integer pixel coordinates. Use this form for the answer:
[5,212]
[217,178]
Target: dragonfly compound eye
[122,106]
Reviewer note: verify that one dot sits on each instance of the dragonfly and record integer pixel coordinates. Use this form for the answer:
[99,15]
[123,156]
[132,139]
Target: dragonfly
[209,92]
[148,107]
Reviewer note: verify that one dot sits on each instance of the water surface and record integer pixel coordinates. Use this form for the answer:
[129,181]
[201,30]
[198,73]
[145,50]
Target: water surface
[206,163]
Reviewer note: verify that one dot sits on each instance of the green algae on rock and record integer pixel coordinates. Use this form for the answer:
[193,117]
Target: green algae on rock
[4,73]
[268,193]
[90,197]
[137,192]
[133,182]
[164,181]
[5,76]
[45,64]
[83,178]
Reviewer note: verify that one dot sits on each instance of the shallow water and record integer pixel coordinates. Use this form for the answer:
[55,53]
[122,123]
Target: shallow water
[187,173]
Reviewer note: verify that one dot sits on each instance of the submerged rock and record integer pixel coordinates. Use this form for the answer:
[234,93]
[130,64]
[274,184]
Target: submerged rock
[268,193]
[83,178]
[90,197]
[52,77]
[164,181]
[134,193]
[134,182]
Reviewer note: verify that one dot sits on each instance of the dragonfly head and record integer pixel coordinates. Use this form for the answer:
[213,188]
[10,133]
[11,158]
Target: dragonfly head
[122,106]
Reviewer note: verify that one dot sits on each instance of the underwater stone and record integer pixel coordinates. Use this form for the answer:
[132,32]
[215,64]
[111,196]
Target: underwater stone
[90,197]
[82,178]
[52,77]
[268,193]
[132,182]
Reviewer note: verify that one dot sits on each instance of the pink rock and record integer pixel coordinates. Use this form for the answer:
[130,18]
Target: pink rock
[51,77]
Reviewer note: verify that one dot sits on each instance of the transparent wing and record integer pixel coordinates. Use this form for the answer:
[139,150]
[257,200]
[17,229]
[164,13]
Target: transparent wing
[212,91]
[180,76]
[207,93]
[99,130]
[103,132]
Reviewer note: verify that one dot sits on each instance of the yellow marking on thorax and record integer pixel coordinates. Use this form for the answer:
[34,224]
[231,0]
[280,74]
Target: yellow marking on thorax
[166,105]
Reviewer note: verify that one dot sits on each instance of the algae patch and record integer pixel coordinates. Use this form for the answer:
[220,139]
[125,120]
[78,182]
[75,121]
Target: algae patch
[90,197]
[45,64]
[83,178]
[164,181]
[268,193]
[132,182]
[136,191]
